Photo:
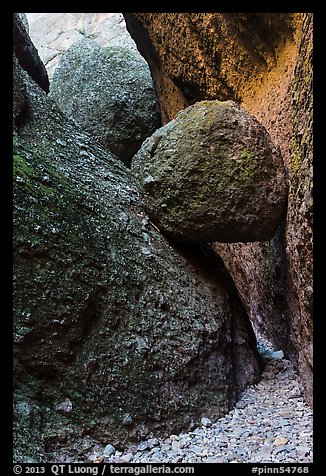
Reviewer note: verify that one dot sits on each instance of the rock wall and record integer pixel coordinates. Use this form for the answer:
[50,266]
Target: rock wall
[116,332]
[27,54]
[299,238]
[263,61]
[54,33]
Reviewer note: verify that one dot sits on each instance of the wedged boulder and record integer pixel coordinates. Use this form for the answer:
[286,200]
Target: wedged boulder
[264,62]
[109,92]
[110,319]
[212,174]
[27,54]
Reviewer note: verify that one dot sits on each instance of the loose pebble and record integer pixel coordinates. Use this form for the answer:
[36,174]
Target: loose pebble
[143,446]
[206,422]
[279,441]
[127,458]
[108,450]
[127,420]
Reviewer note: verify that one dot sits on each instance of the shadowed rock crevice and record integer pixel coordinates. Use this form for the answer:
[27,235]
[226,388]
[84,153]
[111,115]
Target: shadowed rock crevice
[260,33]
[209,264]
[201,57]
[21,117]
[264,62]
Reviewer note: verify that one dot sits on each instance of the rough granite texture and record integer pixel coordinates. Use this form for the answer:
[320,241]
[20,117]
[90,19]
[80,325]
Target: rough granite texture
[24,20]
[212,174]
[109,92]
[54,33]
[263,61]
[27,54]
[195,56]
[19,91]
[116,332]
[299,237]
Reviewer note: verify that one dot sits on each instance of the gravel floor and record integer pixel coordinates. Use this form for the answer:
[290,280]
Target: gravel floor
[270,423]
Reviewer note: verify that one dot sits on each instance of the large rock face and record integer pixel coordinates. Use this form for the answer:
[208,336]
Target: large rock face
[195,56]
[24,20]
[109,92]
[19,92]
[212,174]
[112,324]
[27,54]
[54,33]
[299,237]
[263,61]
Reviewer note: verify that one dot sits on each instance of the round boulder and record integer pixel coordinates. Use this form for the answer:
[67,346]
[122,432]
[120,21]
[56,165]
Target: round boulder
[109,92]
[212,174]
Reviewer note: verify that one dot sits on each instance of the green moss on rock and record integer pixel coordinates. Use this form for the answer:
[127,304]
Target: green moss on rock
[109,92]
[212,174]
[107,313]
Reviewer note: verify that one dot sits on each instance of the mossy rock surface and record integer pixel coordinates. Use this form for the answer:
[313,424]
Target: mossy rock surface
[19,91]
[212,174]
[109,92]
[109,318]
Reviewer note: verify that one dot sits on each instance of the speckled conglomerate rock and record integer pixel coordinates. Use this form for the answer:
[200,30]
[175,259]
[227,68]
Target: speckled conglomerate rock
[54,33]
[109,92]
[299,236]
[195,56]
[19,91]
[24,20]
[212,174]
[116,332]
[263,61]
[27,54]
